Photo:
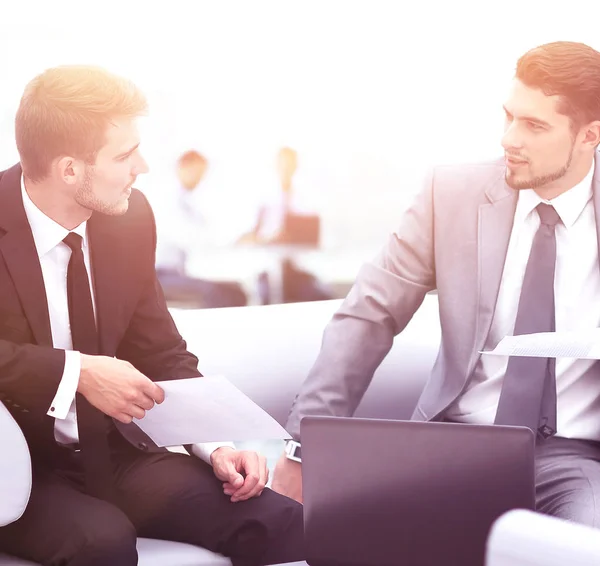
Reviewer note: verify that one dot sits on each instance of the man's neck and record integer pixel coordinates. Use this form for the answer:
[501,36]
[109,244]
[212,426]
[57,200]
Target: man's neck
[56,205]
[573,177]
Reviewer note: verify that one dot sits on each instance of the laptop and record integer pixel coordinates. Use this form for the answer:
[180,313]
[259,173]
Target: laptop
[404,493]
[301,229]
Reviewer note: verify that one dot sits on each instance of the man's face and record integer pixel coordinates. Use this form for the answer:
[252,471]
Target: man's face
[538,141]
[190,174]
[286,165]
[106,185]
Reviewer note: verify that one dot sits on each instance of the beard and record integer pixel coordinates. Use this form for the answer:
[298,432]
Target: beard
[86,197]
[540,181]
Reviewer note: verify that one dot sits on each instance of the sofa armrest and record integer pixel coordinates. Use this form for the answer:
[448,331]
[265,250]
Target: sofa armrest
[15,469]
[525,538]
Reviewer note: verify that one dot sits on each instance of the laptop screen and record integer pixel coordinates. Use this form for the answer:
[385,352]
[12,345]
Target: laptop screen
[388,493]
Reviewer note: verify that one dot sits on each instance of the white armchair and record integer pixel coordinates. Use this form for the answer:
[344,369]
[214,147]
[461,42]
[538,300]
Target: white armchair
[15,470]
[525,538]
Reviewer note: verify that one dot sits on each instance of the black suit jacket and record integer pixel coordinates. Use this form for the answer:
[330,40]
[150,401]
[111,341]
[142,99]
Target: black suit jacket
[133,321]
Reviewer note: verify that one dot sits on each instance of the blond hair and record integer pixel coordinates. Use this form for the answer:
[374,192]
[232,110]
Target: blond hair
[66,111]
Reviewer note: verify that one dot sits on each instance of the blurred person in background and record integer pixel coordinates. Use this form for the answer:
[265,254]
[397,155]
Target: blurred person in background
[184,228]
[285,218]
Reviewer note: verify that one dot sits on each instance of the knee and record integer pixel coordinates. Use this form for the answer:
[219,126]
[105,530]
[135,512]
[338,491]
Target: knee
[577,510]
[290,515]
[111,541]
[248,543]
[276,535]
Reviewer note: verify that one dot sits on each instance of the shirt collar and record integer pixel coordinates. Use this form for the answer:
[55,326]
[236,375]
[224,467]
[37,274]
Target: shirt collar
[569,205]
[47,233]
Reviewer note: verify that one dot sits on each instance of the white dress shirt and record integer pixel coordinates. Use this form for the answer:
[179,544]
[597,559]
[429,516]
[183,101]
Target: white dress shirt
[54,257]
[192,222]
[577,307]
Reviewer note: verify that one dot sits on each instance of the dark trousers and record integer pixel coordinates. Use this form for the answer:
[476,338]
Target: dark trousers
[298,286]
[161,495]
[567,479]
[301,286]
[200,293]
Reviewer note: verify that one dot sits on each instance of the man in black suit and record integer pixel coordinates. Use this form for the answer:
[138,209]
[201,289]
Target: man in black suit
[85,331]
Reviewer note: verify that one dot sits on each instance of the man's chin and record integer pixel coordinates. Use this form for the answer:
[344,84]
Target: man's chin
[119,209]
[515,183]
[116,209]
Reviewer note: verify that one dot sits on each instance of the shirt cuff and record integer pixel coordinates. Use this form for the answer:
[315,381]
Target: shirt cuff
[65,394]
[205,449]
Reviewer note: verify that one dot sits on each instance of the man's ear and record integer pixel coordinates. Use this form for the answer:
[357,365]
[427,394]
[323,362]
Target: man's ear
[68,170]
[592,134]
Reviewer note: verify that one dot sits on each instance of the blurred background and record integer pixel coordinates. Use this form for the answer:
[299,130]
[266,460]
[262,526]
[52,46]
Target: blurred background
[286,138]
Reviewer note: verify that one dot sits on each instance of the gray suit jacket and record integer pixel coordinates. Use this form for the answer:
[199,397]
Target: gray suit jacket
[453,238]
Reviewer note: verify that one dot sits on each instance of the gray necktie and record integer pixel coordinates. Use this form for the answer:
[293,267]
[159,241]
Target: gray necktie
[528,396]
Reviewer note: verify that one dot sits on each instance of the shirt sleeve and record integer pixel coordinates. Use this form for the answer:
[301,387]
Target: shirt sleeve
[205,449]
[65,394]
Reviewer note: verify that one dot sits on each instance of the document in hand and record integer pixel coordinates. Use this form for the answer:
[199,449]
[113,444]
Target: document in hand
[207,409]
[583,344]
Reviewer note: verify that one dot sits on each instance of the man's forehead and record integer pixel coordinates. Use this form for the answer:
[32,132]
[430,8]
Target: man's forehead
[528,101]
[122,133]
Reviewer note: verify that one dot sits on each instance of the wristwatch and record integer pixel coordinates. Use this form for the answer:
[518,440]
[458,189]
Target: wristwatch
[293,451]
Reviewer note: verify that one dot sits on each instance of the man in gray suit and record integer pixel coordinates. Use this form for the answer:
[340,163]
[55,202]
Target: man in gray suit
[511,247]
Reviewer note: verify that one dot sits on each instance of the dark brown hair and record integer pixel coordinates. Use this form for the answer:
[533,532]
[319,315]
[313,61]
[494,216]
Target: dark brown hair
[570,70]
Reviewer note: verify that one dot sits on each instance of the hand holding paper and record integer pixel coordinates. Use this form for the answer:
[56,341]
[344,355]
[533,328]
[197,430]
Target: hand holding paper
[207,409]
[582,344]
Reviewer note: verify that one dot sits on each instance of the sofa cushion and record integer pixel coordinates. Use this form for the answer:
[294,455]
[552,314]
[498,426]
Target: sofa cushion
[525,538]
[154,552]
[11,561]
[15,469]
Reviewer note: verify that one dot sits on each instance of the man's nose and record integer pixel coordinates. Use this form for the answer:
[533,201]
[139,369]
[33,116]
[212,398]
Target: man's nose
[141,166]
[510,139]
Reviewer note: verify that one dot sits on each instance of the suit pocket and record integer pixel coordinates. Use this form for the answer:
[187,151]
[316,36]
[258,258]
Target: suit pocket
[14,327]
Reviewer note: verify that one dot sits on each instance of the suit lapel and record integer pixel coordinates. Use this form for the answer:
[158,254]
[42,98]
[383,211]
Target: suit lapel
[18,249]
[596,197]
[495,226]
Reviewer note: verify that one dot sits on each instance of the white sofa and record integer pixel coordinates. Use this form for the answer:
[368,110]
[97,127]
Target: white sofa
[266,351]
[15,469]
[525,538]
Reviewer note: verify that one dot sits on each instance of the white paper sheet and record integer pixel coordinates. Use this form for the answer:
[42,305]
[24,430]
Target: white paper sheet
[582,344]
[207,409]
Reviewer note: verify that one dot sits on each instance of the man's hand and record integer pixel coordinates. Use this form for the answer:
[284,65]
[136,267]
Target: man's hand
[287,478]
[116,388]
[244,473]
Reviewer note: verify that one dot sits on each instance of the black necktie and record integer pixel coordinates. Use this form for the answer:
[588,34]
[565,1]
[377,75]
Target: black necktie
[91,423]
[528,396]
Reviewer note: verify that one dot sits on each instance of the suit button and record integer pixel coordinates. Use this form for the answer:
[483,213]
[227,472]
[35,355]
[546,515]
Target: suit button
[143,446]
